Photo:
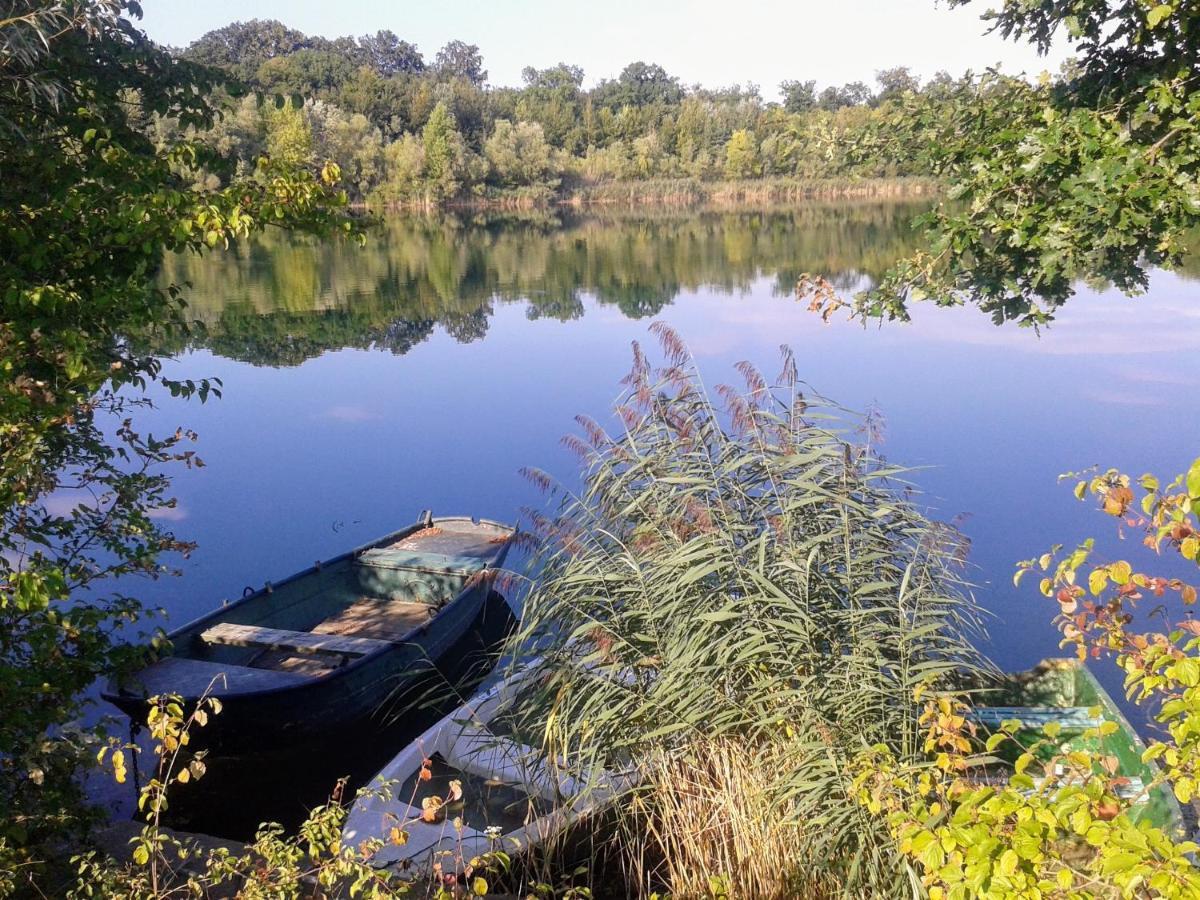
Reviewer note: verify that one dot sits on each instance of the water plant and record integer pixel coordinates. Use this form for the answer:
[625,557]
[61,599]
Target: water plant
[741,598]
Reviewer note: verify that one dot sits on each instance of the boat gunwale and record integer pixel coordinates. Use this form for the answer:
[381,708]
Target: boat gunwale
[118,695]
[1109,705]
[1105,701]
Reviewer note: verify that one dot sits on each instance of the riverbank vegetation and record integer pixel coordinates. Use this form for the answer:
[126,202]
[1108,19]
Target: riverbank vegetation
[406,130]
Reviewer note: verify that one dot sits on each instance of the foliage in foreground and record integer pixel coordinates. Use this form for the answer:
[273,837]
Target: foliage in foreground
[1060,827]
[739,601]
[1095,177]
[314,862]
[89,208]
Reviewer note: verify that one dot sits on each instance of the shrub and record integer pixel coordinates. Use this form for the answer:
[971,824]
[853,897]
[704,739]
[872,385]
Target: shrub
[1062,826]
[741,580]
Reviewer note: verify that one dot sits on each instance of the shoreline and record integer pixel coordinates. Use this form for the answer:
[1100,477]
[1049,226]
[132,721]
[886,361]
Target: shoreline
[683,193]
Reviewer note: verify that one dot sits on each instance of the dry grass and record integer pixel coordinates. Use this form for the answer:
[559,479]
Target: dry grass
[713,822]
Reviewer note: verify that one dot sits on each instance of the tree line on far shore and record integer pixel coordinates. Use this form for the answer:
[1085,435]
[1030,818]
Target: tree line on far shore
[403,129]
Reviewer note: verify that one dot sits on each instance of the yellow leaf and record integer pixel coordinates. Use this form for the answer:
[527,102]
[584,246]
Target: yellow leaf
[1009,862]
[1097,581]
[1189,548]
[479,887]
[1120,572]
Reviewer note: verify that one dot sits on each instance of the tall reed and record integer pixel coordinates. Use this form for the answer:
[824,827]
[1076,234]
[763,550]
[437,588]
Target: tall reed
[741,598]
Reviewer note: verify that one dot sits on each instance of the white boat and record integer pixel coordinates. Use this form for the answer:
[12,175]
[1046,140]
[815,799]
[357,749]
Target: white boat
[463,789]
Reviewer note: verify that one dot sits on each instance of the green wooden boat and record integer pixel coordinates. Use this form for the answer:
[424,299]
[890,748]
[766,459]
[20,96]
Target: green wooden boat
[1066,692]
[357,636]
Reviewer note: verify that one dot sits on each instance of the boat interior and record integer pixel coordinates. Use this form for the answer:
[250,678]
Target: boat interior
[323,619]
[1064,692]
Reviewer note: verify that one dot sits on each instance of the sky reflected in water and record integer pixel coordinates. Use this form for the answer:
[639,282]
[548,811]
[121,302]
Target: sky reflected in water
[361,386]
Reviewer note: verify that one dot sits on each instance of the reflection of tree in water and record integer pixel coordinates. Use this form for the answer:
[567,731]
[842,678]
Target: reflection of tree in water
[468,327]
[637,301]
[399,337]
[280,300]
[288,339]
[563,306]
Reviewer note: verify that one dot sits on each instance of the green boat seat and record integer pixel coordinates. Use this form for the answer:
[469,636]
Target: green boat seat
[1071,718]
[291,641]
[423,561]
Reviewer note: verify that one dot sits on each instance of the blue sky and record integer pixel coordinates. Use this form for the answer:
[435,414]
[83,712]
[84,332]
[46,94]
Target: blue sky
[714,42]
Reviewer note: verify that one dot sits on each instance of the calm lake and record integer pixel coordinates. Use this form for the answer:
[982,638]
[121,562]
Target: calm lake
[362,385]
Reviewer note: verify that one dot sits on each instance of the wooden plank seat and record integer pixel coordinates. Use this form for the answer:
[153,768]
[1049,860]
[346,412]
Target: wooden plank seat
[371,617]
[192,677]
[291,641]
[1073,718]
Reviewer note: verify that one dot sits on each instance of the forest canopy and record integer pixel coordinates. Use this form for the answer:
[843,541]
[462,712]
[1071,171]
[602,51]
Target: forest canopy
[405,128]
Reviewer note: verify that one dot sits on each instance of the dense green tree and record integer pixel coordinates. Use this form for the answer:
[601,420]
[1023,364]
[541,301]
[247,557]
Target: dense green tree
[854,93]
[896,82]
[460,60]
[554,98]
[307,72]
[799,96]
[388,55]
[640,84]
[241,47]
[351,141]
[553,78]
[288,135]
[445,154]
[519,156]
[395,104]
[741,155]
[403,171]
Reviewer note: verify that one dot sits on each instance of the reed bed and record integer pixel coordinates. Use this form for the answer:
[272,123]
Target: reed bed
[710,810]
[741,599]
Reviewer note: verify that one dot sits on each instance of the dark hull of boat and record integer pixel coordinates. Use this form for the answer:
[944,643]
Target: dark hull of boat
[284,782]
[382,688]
[378,688]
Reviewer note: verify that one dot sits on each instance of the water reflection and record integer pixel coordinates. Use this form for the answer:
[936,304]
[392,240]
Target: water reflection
[280,300]
[320,443]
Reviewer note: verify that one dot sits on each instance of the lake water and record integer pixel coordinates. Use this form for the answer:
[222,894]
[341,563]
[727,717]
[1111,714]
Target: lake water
[362,385]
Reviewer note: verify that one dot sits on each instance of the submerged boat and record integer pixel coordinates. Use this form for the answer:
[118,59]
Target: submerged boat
[1064,691]
[466,787]
[356,636]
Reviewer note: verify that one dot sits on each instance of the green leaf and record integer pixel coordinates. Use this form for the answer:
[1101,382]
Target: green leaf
[1193,481]
[1155,17]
